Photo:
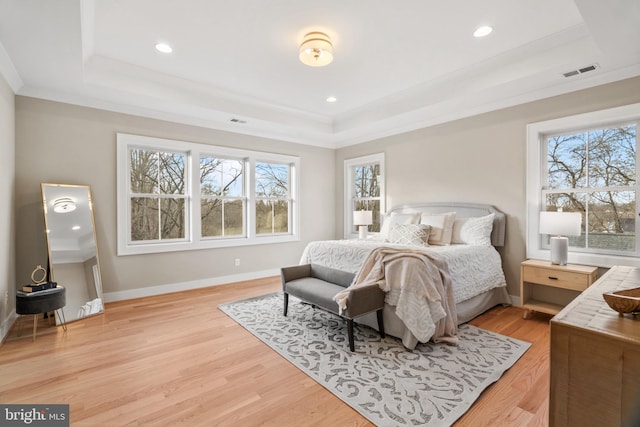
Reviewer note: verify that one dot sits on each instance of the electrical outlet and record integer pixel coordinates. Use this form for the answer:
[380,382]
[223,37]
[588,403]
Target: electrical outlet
[6,300]
[237,262]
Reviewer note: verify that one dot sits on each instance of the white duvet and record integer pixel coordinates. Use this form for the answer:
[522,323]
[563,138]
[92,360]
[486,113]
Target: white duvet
[473,269]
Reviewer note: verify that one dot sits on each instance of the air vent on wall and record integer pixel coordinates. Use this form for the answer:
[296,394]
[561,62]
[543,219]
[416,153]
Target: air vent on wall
[582,70]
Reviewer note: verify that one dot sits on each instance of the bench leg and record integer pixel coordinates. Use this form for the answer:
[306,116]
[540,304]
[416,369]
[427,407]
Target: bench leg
[380,323]
[286,303]
[352,345]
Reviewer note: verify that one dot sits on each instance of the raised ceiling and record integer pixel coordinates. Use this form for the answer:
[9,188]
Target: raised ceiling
[398,65]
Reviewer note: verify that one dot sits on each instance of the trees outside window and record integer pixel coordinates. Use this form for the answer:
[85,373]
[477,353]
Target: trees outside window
[175,195]
[272,198]
[587,163]
[594,173]
[158,191]
[222,197]
[364,190]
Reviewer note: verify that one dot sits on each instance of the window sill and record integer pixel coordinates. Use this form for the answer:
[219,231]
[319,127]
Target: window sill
[596,260]
[204,244]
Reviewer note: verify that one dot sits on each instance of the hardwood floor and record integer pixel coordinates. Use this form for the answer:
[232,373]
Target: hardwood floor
[176,359]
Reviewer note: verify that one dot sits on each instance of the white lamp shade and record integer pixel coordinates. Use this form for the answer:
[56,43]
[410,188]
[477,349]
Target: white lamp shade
[362,217]
[560,223]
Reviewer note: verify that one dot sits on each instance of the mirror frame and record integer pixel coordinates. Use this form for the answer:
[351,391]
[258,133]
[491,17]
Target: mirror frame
[47,206]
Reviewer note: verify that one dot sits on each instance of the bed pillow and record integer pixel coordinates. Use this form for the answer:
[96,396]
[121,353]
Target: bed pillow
[394,218]
[441,227]
[410,234]
[473,231]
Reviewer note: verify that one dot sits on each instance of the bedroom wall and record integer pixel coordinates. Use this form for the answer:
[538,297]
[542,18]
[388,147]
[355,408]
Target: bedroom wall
[62,143]
[7,170]
[480,159]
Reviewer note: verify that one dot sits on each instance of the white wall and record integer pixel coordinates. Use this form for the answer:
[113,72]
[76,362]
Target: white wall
[480,159]
[7,173]
[68,144]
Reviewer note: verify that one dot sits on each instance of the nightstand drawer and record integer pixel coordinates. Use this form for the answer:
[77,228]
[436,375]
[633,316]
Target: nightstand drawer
[556,278]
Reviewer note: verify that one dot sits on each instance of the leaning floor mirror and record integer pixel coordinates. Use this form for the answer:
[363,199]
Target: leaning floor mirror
[72,247]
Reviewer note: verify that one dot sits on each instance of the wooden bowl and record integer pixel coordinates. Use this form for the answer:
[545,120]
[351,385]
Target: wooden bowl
[626,301]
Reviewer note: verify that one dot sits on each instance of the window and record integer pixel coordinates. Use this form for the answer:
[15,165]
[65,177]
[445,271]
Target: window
[364,190]
[273,198]
[587,164]
[175,195]
[157,196]
[222,197]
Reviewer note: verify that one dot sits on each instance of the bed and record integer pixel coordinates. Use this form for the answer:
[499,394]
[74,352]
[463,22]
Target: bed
[475,266]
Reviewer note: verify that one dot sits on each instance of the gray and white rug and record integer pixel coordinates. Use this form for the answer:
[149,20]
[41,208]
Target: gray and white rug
[432,385]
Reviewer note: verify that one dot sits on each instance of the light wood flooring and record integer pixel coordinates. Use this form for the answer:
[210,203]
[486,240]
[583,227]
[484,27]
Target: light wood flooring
[176,359]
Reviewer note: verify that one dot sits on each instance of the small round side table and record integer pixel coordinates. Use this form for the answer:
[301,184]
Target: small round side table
[42,302]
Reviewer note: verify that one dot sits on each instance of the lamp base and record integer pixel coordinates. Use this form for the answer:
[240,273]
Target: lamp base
[559,250]
[362,232]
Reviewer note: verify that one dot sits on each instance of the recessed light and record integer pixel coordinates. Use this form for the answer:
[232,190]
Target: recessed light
[332,99]
[164,48]
[483,31]
[75,227]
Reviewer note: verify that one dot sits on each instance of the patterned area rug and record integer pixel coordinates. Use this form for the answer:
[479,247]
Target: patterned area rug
[432,385]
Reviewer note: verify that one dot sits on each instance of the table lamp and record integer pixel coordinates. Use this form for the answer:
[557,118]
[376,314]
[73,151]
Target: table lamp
[362,219]
[559,225]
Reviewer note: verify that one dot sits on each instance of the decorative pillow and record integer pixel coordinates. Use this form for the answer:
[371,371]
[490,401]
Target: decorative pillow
[410,234]
[397,218]
[441,227]
[473,231]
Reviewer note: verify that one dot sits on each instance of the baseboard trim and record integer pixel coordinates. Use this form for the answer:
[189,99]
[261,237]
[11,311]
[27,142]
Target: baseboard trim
[515,300]
[185,286]
[5,327]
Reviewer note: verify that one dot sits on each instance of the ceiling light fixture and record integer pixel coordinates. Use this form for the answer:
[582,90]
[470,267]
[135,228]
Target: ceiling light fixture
[483,31]
[164,48]
[316,50]
[75,227]
[64,205]
[332,99]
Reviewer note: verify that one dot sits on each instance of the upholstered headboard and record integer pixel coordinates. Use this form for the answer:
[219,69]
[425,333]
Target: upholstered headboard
[462,210]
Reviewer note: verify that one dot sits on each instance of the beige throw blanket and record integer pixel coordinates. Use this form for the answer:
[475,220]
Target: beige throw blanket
[418,285]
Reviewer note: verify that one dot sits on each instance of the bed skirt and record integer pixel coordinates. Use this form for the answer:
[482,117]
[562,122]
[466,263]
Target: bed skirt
[467,310]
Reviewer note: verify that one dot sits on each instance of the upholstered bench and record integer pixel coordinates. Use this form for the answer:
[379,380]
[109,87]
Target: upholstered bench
[317,285]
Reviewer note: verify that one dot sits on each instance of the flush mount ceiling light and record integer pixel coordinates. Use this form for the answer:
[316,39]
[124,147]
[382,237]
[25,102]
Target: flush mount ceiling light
[316,50]
[483,31]
[64,205]
[332,99]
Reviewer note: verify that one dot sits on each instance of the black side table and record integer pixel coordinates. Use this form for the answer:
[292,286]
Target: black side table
[42,302]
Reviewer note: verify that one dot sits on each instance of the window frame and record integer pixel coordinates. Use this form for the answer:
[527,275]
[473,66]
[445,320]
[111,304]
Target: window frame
[194,240]
[289,197]
[243,198]
[536,163]
[163,196]
[349,190]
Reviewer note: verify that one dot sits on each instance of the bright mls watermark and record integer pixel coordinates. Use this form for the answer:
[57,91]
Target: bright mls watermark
[34,415]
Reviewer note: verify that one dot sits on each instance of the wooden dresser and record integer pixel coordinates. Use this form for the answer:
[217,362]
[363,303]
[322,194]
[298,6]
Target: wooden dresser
[595,358]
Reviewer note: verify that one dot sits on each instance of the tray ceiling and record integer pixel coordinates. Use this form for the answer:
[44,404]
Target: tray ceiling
[398,66]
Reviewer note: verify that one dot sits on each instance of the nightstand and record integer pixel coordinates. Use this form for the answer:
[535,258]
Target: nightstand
[540,276]
[50,300]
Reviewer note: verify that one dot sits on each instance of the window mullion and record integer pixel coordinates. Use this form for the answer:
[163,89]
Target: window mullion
[183,212]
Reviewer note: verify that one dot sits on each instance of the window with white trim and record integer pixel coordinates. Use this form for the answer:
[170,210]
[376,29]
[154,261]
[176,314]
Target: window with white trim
[364,190]
[222,197]
[587,164]
[273,198]
[176,195]
[157,195]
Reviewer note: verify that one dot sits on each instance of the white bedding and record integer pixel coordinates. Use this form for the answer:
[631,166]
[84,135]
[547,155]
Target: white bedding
[474,269]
